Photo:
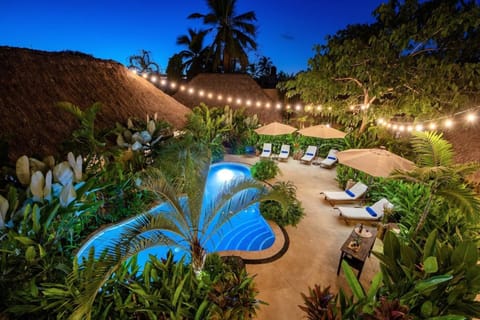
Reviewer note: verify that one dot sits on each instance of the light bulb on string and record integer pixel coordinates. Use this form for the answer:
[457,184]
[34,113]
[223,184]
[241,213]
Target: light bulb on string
[448,123]
[419,127]
[432,126]
[471,117]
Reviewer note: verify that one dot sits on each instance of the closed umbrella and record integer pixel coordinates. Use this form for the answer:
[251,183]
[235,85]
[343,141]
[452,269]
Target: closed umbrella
[275,129]
[375,162]
[322,131]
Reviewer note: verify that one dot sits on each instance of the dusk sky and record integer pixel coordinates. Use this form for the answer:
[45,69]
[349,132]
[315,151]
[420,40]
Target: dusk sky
[287,29]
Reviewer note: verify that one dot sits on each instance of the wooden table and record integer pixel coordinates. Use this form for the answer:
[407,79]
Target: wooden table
[356,258]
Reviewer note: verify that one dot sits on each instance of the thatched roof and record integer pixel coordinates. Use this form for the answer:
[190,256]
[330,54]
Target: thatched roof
[32,82]
[240,86]
[466,144]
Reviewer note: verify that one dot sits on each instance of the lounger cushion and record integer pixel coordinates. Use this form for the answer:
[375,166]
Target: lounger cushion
[371,211]
[331,158]
[284,151]
[350,193]
[265,150]
[309,154]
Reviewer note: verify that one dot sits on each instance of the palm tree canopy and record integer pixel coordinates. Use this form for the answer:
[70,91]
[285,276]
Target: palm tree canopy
[195,55]
[234,34]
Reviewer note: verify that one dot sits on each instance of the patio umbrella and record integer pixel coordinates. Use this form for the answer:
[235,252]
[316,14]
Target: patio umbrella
[322,131]
[275,129]
[375,162]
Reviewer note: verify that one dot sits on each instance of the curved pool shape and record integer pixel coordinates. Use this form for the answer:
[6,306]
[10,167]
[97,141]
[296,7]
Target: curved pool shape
[246,231]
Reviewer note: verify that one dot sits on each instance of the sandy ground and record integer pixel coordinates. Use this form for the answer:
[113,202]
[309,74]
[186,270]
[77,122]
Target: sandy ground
[315,244]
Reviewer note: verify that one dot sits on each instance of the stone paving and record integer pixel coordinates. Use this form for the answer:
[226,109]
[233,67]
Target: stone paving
[315,242]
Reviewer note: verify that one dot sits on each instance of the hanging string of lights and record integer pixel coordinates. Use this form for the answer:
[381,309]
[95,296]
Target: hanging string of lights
[446,122]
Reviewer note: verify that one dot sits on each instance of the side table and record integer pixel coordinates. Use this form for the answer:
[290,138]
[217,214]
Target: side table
[356,257]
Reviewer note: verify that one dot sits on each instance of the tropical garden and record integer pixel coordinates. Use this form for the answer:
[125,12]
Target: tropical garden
[417,61]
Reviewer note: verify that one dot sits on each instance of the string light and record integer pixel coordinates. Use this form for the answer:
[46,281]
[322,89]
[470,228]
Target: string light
[447,122]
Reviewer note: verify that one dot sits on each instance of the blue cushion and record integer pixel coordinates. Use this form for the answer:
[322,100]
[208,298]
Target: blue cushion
[284,151]
[309,154]
[371,211]
[331,158]
[350,193]
[265,150]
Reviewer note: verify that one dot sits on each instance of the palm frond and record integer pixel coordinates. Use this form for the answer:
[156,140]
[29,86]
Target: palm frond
[70,107]
[463,198]
[432,149]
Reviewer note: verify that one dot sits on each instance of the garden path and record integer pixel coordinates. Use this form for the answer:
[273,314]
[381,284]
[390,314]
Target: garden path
[314,245]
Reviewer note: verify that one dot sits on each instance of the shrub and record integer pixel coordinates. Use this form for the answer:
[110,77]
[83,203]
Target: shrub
[272,210]
[265,169]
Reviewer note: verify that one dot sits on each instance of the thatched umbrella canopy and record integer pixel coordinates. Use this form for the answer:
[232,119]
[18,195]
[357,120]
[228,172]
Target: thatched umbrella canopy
[235,86]
[32,82]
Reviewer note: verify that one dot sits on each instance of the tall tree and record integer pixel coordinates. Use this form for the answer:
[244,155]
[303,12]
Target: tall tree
[233,34]
[410,60]
[195,57]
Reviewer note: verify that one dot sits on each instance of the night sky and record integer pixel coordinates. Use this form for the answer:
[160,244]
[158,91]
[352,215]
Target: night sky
[288,29]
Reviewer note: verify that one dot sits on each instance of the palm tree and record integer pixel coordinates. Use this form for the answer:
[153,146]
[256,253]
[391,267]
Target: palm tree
[233,34]
[143,62]
[437,170]
[188,217]
[195,57]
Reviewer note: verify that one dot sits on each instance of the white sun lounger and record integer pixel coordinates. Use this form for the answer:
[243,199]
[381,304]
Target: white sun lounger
[309,155]
[284,152]
[373,212]
[266,151]
[355,193]
[330,160]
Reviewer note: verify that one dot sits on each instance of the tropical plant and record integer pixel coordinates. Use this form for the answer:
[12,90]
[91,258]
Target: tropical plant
[234,34]
[195,57]
[143,62]
[208,126]
[85,137]
[273,211]
[187,217]
[433,277]
[265,169]
[319,304]
[444,179]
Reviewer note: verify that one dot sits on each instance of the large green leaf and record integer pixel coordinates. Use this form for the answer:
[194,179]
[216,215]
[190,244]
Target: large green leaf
[430,265]
[353,282]
[430,283]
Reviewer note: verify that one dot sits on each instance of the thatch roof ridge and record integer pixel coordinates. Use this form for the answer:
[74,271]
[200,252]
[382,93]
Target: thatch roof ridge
[33,81]
[235,85]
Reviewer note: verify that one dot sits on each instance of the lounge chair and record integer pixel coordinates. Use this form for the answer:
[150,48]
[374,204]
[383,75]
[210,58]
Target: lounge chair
[284,152]
[309,155]
[373,212]
[355,193]
[330,160]
[266,151]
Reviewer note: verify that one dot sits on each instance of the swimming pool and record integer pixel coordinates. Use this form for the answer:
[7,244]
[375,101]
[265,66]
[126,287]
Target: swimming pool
[246,231]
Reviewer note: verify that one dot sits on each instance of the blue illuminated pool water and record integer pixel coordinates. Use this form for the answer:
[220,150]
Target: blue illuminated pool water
[246,231]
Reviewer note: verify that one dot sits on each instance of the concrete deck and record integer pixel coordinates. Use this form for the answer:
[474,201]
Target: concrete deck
[314,245]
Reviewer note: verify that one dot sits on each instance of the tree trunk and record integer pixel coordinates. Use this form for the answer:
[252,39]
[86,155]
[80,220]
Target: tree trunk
[198,255]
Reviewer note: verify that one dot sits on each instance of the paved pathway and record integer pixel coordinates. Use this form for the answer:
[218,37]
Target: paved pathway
[314,245]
